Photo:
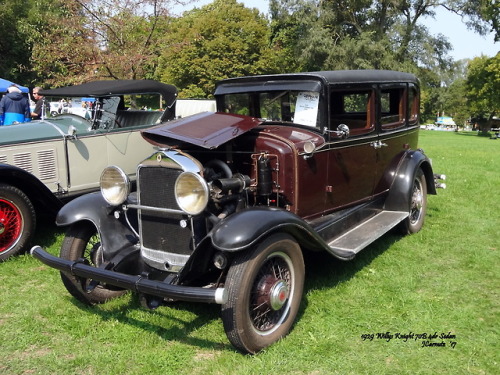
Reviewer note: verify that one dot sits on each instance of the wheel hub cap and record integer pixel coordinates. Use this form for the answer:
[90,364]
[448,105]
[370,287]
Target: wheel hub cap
[417,201]
[279,295]
[272,293]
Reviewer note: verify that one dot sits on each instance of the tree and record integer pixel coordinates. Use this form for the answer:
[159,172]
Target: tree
[15,49]
[220,40]
[359,34]
[85,40]
[483,89]
[482,16]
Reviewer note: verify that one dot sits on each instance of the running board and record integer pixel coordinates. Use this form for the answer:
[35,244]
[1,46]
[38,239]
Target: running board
[353,241]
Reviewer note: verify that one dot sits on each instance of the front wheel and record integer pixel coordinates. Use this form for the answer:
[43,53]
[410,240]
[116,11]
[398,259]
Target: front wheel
[17,221]
[264,293]
[418,205]
[83,241]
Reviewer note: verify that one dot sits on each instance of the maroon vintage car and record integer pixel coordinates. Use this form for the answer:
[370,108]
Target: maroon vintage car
[323,161]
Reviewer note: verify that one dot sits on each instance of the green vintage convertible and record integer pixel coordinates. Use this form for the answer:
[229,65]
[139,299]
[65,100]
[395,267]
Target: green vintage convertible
[45,163]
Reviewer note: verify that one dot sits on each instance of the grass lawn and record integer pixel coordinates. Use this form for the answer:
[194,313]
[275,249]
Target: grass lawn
[374,315]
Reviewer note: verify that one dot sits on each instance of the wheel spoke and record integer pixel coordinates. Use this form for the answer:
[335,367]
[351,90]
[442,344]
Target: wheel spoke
[272,272]
[10,224]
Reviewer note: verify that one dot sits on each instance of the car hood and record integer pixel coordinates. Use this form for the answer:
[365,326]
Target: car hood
[206,129]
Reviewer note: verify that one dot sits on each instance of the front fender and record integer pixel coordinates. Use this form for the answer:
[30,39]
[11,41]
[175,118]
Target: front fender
[245,228]
[399,198]
[115,233]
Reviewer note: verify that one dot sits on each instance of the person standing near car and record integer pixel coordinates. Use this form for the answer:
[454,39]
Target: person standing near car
[41,106]
[14,107]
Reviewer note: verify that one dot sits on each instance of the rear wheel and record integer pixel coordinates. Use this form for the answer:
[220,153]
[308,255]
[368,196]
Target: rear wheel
[264,293]
[17,221]
[83,241]
[418,205]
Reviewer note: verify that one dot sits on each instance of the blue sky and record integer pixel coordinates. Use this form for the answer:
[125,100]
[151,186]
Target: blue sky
[466,43]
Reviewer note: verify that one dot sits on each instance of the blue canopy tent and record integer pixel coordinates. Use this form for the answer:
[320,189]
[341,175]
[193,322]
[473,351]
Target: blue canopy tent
[4,85]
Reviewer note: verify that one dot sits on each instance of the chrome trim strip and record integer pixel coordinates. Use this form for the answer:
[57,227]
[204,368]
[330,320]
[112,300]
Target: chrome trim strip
[157,209]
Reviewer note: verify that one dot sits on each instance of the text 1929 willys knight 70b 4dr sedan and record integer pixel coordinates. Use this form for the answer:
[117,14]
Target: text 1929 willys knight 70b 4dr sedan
[227,205]
[47,162]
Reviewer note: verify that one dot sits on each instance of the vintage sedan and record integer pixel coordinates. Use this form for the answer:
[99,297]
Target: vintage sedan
[323,161]
[45,163]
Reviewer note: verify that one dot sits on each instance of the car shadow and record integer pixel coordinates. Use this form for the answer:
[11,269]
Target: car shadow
[322,271]
[173,329]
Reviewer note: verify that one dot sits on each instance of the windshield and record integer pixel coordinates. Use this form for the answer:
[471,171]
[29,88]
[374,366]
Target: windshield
[300,107]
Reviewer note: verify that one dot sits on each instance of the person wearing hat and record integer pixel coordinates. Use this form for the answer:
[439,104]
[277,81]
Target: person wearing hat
[14,107]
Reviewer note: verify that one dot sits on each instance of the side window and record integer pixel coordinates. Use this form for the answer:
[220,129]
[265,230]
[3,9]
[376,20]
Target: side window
[392,107]
[237,103]
[354,108]
[413,105]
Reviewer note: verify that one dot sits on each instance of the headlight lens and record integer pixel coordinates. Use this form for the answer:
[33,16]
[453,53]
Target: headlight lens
[115,185]
[191,193]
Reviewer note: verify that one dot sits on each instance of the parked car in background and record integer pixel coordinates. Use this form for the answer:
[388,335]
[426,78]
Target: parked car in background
[45,163]
[323,161]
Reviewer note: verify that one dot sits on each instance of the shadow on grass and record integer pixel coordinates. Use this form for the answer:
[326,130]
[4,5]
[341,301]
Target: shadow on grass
[322,271]
[47,234]
[482,135]
[174,329]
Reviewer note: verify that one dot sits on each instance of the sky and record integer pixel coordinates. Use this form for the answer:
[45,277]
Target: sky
[466,43]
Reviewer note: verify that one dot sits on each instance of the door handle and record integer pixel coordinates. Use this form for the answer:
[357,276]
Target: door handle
[378,144]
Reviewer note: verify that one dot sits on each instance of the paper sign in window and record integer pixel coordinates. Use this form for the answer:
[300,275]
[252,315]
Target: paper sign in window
[306,109]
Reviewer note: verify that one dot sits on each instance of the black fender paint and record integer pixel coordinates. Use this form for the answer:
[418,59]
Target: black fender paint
[42,198]
[116,235]
[246,228]
[399,197]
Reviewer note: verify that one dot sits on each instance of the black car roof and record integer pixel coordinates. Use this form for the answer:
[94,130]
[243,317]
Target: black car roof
[116,87]
[329,77]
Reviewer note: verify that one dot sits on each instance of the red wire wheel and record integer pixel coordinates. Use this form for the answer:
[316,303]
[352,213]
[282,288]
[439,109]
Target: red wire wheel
[11,225]
[17,221]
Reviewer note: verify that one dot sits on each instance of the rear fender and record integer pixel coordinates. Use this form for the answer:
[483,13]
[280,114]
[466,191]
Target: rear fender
[42,198]
[116,235]
[399,198]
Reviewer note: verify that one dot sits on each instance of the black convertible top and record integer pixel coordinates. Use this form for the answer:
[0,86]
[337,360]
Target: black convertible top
[116,87]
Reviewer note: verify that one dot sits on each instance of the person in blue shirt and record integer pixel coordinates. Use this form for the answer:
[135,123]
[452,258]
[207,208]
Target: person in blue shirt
[14,107]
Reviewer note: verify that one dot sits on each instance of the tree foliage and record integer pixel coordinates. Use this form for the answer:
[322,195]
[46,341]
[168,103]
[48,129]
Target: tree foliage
[360,34]
[85,40]
[483,87]
[220,40]
[15,49]
[60,42]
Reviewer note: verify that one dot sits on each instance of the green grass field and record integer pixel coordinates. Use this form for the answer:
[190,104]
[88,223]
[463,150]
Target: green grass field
[374,315]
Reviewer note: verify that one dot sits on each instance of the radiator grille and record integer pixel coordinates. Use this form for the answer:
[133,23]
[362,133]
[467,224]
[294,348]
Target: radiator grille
[159,230]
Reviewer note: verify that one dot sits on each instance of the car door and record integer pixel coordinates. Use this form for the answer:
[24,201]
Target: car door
[352,162]
[87,157]
[398,130]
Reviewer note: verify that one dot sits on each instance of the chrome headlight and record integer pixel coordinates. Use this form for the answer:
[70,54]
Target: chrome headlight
[115,185]
[191,193]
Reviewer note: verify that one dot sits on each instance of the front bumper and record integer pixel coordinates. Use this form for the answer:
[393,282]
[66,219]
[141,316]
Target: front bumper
[134,283]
